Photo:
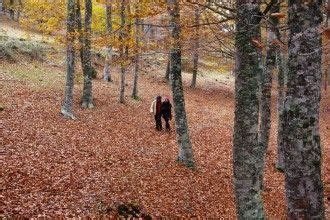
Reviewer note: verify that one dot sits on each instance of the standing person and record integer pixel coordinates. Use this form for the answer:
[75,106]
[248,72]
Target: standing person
[167,112]
[155,108]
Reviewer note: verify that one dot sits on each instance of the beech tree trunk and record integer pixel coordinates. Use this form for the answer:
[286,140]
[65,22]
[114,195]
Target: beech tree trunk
[66,109]
[87,97]
[302,147]
[196,47]
[106,71]
[247,154]
[122,52]
[185,149]
[137,55]
[266,85]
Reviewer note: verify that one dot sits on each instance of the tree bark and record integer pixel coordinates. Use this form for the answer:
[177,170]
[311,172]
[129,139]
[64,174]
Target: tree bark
[137,55]
[122,52]
[282,63]
[87,97]
[66,109]
[302,150]
[185,149]
[247,153]
[196,47]
[106,71]
[266,85]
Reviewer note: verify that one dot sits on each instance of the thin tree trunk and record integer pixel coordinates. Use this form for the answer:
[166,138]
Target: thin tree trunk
[11,9]
[122,52]
[168,68]
[196,47]
[302,147]
[185,149]
[106,71]
[87,97]
[79,28]
[282,63]
[266,86]
[66,109]
[137,55]
[247,153]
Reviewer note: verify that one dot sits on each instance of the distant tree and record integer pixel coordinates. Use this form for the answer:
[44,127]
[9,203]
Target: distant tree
[302,146]
[266,82]
[185,149]
[66,109]
[106,71]
[122,37]
[247,154]
[282,72]
[168,68]
[136,51]
[196,47]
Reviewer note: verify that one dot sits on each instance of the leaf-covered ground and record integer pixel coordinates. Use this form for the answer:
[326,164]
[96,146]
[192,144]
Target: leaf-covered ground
[112,154]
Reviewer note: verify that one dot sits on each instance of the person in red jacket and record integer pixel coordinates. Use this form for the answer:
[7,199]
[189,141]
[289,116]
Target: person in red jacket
[156,110]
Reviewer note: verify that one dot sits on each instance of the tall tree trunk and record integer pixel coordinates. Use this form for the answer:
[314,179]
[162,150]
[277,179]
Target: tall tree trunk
[247,153]
[137,55]
[87,97]
[185,149]
[302,150]
[266,85]
[282,72]
[196,47]
[106,71]
[79,29]
[122,52]
[66,109]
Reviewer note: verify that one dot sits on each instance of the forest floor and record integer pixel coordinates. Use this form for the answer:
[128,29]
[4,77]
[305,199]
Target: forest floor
[112,154]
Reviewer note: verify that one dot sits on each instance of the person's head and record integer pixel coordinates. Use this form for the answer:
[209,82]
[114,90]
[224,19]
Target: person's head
[166,99]
[159,98]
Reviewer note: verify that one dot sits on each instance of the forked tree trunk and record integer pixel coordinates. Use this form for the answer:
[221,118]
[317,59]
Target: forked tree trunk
[106,71]
[302,147]
[66,109]
[185,149]
[87,97]
[137,55]
[247,153]
[122,52]
[196,47]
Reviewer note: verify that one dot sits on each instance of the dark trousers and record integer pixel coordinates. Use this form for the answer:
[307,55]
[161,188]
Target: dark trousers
[167,123]
[158,120]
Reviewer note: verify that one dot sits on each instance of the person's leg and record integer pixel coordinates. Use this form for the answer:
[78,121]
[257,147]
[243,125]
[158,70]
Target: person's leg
[167,121]
[160,122]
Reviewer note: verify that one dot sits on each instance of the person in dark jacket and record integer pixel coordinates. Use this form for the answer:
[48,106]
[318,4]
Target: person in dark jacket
[155,108]
[167,112]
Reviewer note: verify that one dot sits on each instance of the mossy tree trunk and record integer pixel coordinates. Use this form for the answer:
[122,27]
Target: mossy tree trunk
[302,147]
[108,59]
[186,156]
[247,153]
[67,106]
[87,97]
